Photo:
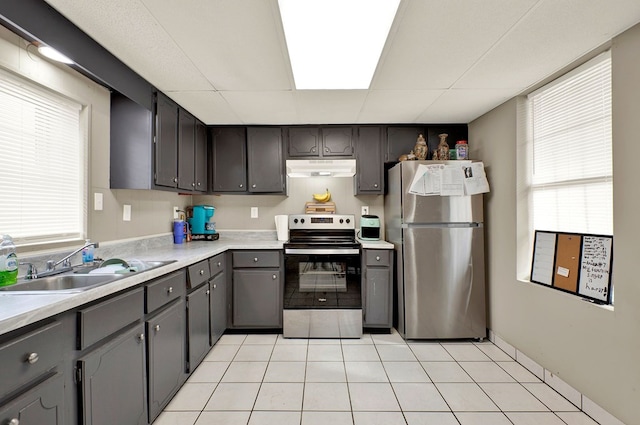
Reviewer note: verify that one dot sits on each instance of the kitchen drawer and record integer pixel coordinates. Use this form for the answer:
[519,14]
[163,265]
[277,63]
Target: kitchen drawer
[198,274]
[29,356]
[164,289]
[103,319]
[217,264]
[378,257]
[256,259]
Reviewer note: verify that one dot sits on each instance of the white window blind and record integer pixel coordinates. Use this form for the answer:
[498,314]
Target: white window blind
[572,185]
[42,172]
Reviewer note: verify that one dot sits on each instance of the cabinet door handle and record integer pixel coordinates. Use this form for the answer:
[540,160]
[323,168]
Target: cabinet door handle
[141,337]
[193,184]
[14,421]
[375,185]
[215,286]
[240,185]
[175,180]
[274,277]
[219,264]
[377,258]
[32,358]
[208,292]
[201,272]
[326,149]
[255,259]
[313,149]
[253,185]
[199,184]
[169,289]
[156,328]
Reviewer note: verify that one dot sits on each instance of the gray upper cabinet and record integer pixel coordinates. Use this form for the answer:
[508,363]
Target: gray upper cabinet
[265,160]
[201,158]
[166,142]
[316,142]
[186,151]
[229,153]
[337,141]
[304,141]
[401,140]
[370,166]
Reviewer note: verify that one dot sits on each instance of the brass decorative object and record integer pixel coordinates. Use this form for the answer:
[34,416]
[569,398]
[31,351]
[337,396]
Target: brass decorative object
[420,149]
[442,151]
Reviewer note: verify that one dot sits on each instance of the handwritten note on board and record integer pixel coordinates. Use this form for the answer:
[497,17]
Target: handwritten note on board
[544,252]
[595,267]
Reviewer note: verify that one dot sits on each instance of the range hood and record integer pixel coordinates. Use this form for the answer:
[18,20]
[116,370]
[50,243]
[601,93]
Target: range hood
[321,167]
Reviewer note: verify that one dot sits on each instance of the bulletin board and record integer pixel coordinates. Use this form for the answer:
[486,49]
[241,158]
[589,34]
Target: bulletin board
[574,262]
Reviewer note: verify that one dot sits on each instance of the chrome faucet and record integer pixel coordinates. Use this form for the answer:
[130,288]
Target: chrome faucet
[66,261]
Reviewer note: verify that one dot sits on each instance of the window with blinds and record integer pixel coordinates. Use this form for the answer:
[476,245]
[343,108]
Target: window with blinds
[42,166]
[570,130]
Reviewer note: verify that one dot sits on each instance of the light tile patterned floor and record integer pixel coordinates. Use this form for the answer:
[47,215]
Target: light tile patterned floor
[376,380]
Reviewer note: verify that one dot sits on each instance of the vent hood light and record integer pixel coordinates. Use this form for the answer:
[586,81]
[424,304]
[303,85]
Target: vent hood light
[335,44]
[321,167]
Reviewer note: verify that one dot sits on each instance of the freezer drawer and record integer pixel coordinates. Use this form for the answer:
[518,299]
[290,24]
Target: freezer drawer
[442,283]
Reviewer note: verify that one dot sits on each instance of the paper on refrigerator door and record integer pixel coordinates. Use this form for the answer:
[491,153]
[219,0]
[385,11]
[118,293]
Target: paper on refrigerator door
[475,179]
[426,181]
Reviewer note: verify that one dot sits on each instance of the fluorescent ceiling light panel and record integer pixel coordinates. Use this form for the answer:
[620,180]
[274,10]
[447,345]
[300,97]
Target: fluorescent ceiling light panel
[335,44]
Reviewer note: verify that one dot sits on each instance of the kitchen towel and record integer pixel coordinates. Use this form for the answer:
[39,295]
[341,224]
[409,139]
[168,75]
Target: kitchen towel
[282,227]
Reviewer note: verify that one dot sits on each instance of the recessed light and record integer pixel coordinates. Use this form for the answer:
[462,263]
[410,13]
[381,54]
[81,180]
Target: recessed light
[335,44]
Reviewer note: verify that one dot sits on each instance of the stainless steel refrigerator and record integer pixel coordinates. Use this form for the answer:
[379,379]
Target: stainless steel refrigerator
[439,242]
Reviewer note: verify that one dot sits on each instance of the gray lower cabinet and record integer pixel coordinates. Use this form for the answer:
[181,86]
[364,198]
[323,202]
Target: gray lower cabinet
[166,348]
[377,286]
[257,289]
[112,381]
[218,306]
[198,325]
[43,405]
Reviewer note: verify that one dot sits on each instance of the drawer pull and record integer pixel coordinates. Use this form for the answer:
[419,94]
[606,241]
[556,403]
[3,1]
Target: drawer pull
[219,264]
[377,258]
[255,259]
[201,272]
[141,337]
[33,358]
[169,289]
[14,421]
[215,286]
[156,328]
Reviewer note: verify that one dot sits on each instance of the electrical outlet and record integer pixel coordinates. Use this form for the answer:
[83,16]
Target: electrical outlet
[176,214]
[126,213]
[97,201]
[364,210]
[254,212]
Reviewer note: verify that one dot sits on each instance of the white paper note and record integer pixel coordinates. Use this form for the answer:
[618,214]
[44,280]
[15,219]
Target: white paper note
[545,249]
[475,179]
[427,180]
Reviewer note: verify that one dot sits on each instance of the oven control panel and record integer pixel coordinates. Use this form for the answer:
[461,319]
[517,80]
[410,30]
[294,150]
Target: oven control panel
[322,221]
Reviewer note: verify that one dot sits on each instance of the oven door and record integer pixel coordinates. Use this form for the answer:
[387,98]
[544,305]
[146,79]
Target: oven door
[322,296]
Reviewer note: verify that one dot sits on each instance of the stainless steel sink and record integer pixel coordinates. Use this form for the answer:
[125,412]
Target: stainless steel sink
[80,280]
[135,266]
[65,284]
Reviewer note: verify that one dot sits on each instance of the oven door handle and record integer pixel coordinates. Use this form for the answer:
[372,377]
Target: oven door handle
[320,251]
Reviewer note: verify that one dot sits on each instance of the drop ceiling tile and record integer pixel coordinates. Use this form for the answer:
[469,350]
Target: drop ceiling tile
[551,36]
[396,106]
[130,32]
[433,43]
[329,106]
[237,44]
[208,106]
[262,107]
[464,105]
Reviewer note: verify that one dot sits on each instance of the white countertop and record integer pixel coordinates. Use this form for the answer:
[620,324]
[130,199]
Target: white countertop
[18,310]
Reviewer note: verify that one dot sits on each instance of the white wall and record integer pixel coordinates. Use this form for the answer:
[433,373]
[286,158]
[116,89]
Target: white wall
[594,349]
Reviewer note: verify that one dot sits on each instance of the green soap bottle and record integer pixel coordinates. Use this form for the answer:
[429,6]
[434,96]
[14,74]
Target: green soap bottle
[8,261]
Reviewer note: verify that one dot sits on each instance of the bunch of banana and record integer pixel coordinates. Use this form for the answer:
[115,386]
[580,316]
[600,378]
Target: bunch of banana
[322,197]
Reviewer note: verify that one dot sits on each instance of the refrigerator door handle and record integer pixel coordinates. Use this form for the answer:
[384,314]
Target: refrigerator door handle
[432,225]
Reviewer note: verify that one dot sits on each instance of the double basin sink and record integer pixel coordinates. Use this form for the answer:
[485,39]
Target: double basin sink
[81,279]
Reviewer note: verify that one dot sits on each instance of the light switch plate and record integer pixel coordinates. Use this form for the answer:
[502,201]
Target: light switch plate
[97,201]
[176,214]
[254,212]
[126,213]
